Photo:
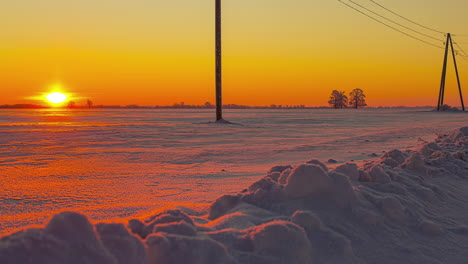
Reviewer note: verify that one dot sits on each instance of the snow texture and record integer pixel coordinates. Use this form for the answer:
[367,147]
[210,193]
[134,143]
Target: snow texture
[403,207]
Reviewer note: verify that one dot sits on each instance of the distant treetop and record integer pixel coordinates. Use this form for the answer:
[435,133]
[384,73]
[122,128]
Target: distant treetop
[357,98]
[338,99]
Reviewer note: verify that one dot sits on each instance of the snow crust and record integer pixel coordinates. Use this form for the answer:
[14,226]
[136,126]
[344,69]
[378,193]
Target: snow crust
[407,206]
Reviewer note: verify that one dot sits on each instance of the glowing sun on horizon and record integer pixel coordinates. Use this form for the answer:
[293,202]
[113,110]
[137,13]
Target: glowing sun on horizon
[56,98]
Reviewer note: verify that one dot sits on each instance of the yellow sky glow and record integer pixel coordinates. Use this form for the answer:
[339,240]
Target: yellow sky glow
[275,52]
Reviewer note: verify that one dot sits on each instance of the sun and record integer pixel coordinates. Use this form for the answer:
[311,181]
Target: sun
[56,98]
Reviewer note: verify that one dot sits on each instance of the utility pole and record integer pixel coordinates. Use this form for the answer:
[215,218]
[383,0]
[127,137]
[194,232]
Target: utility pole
[458,76]
[444,74]
[219,80]
[449,44]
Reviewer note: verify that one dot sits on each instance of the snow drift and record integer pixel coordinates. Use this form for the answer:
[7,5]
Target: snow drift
[403,207]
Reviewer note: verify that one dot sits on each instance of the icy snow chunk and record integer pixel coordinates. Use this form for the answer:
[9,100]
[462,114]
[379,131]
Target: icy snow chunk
[396,155]
[283,240]
[73,227]
[284,176]
[178,228]
[166,248]
[274,176]
[262,184]
[306,180]
[233,238]
[33,246]
[350,170]
[279,169]
[415,162]
[222,205]
[378,174]
[390,162]
[137,227]
[256,214]
[341,193]
[306,220]
[168,216]
[364,176]
[121,244]
[263,196]
[68,238]
[237,220]
[75,230]
[461,156]
[459,134]
[428,149]
[317,162]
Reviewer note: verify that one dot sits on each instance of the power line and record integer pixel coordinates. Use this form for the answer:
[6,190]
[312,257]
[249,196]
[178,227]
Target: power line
[463,56]
[387,25]
[460,48]
[409,20]
[388,19]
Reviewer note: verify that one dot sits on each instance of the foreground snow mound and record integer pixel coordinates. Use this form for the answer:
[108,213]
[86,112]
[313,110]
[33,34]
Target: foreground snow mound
[403,207]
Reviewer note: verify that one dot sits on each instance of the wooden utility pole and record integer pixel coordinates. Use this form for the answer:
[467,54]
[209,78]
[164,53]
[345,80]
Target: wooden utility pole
[458,76]
[444,74]
[219,80]
[449,44]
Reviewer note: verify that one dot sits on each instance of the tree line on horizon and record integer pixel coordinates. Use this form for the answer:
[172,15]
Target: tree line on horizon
[339,100]
[88,104]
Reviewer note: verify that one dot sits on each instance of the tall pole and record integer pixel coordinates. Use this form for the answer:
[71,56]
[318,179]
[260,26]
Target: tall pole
[458,76]
[219,81]
[444,74]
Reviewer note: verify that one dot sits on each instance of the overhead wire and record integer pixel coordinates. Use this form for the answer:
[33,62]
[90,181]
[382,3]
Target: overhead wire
[464,58]
[463,54]
[409,20]
[456,43]
[458,54]
[389,26]
[388,19]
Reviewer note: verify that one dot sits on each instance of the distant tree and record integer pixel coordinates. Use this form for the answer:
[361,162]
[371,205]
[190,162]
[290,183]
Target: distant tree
[338,99]
[208,105]
[71,104]
[357,98]
[89,103]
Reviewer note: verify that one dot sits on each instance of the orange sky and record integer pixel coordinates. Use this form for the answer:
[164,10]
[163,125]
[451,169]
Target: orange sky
[275,52]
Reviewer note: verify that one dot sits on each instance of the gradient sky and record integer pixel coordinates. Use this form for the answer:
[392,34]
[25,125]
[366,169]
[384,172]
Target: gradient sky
[157,52]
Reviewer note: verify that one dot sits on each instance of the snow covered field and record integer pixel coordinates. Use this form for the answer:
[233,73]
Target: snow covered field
[110,164]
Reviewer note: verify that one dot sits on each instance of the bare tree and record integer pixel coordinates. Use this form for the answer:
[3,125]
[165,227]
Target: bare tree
[357,98]
[71,104]
[338,99]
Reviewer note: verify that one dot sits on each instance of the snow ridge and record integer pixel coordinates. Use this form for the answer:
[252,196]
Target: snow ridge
[403,207]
